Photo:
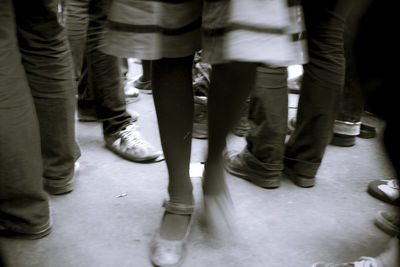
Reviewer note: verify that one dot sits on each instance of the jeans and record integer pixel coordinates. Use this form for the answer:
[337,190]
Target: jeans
[323,80]
[268,113]
[351,106]
[37,138]
[99,80]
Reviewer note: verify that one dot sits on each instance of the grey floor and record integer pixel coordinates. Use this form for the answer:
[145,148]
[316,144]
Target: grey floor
[289,226]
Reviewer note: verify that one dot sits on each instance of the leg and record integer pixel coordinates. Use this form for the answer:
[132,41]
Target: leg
[24,206]
[47,61]
[261,161]
[323,80]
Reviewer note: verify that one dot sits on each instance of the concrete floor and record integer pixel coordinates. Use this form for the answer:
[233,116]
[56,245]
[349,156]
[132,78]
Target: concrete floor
[289,226]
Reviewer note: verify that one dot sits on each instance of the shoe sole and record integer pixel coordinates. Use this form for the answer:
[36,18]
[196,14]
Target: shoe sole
[301,181]
[386,225]
[268,183]
[151,159]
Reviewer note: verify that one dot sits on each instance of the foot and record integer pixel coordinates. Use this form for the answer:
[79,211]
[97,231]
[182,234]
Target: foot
[244,165]
[129,144]
[139,83]
[387,190]
[131,91]
[168,246]
[388,222]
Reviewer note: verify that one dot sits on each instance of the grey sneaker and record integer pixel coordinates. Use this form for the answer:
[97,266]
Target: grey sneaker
[388,222]
[129,144]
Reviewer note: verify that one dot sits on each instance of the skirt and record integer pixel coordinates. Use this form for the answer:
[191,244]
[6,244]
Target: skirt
[263,31]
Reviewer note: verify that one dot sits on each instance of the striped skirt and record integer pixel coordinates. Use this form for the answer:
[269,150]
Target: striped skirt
[264,31]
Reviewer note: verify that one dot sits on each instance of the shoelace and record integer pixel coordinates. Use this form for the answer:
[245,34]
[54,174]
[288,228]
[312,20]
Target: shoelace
[132,137]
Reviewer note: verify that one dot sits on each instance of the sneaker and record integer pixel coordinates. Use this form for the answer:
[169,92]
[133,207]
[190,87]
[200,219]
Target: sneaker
[386,190]
[61,187]
[362,262]
[131,91]
[145,86]
[244,165]
[388,222]
[129,144]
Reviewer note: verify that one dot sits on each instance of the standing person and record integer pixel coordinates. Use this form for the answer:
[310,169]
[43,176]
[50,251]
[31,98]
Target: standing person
[37,104]
[238,35]
[101,94]
[380,91]
[265,157]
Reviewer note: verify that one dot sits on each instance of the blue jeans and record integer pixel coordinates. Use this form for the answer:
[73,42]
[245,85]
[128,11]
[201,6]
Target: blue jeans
[100,89]
[323,80]
[37,136]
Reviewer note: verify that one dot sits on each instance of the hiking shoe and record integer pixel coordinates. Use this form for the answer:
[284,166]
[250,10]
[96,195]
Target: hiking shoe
[362,262]
[61,187]
[299,180]
[388,222]
[145,86]
[129,144]
[244,165]
[386,190]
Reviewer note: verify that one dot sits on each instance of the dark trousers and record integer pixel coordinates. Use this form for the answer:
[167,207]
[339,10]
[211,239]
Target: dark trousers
[323,80]
[100,89]
[37,135]
[268,113]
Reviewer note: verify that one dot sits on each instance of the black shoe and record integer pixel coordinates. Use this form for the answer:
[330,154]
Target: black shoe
[367,131]
[244,165]
[343,140]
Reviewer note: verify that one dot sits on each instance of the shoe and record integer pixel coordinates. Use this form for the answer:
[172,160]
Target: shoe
[61,187]
[388,222]
[385,190]
[362,262]
[10,233]
[171,253]
[129,144]
[299,180]
[246,166]
[200,118]
[367,131]
[145,86]
[343,140]
[131,92]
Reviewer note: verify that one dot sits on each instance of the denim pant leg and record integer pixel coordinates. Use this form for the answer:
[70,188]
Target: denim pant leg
[47,60]
[103,71]
[24,205]
[351,107]
[323,80]
[268,113]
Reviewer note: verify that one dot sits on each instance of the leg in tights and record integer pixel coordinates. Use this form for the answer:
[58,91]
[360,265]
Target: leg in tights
[173,98]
